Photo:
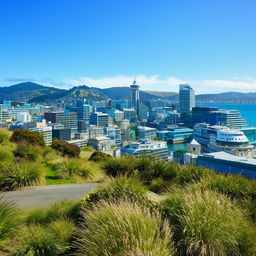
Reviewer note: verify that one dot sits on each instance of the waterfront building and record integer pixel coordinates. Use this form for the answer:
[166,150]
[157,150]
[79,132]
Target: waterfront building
[135,96]
[228,163]
[218,138]
[158,150]
[147,133]
[202,115]
[180,135]
[230,118]
[186,98]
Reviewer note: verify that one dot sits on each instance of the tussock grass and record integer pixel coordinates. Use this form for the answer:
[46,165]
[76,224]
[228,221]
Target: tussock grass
[18,175]
[208,223]
[9,220]
[119,188]
[74,169]
[124,228]
[36,240]
[63,210]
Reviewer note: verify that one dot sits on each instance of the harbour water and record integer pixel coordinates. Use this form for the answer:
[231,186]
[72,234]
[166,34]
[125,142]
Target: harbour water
[248,112]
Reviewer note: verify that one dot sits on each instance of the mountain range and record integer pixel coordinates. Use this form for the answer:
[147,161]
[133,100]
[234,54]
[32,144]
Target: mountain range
[33,92]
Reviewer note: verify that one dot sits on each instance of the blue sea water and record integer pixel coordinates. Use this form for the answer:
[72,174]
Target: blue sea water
[248,112]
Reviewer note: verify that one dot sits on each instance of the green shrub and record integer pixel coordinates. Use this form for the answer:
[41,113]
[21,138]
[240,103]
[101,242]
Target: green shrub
[65,148]
[9,220]
[120,166]
[28,152]
[64,232]
[122,229]
[98,156]
[119,188]
[157,185]
[208,224]
[63,210]
[27,137]
[190,173]
[73,169]
[17,175]
[235,186]
[36,240]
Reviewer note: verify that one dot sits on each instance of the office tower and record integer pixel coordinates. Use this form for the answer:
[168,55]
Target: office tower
[99,119]
[186,98]
[143,111]
[135,96]
[119,104]
[68,119]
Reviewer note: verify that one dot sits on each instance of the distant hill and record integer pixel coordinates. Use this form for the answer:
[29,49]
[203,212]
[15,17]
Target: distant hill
[33,92]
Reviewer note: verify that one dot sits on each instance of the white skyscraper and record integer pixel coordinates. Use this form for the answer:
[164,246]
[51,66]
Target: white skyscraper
[186,98]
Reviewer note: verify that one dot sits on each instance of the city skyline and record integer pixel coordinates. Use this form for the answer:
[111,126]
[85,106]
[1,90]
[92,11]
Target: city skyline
[209,45]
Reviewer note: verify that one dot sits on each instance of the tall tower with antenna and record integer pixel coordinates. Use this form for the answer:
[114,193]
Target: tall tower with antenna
[135,96]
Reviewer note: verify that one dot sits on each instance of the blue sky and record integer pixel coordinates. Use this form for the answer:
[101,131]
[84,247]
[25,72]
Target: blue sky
[208,43]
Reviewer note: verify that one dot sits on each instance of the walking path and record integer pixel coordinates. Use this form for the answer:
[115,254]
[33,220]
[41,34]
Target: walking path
[43,195]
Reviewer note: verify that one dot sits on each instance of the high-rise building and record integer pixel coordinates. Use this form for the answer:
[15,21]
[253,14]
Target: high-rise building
[99,119]
[135,96]
[186,98]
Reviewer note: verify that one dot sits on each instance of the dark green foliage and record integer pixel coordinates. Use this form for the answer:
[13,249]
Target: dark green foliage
[27,137]
[17,175]
[98,156]
[65,148]
[120,166]
[157,185]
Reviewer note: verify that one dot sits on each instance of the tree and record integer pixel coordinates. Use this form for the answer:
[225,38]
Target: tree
[66,148]
[27,137]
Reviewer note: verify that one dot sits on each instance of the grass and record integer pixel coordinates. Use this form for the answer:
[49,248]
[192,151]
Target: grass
[9,220]
[208,224]
[23,174]
[124,228]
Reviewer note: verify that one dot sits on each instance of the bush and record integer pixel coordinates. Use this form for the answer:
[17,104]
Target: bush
[98,156]
[120,166]
[36,240]
[157,185]
[119,188]
[73,169]
[27,137]
[235,186]
[28,152]
[124,229]
[17,175]
[9,220]
[65,148]
[63,210]
[208,224]
[190,173]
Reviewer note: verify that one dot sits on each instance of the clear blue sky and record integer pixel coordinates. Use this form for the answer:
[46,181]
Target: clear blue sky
[192,40]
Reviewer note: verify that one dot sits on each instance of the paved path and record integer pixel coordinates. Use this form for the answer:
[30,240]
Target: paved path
[43,195]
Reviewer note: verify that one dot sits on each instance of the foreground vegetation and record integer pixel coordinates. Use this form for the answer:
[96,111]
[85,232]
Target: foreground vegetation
[192,212]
